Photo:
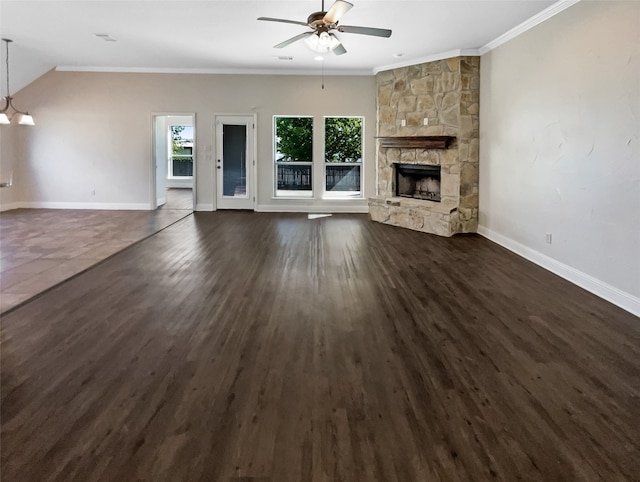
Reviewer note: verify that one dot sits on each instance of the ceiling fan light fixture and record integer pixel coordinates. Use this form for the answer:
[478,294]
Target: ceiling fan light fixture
[322,42]
[313,42]
[321,38]
[4,119]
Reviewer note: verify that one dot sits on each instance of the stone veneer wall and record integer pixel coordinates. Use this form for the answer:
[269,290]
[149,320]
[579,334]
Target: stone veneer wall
[447,93]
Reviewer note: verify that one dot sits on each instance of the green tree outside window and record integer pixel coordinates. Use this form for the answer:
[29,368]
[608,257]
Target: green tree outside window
[294,139]
[343,139]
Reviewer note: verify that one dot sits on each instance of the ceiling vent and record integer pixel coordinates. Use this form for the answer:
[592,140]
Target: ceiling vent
[105,36]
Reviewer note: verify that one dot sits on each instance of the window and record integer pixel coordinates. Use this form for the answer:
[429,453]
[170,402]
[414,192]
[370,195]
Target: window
[343,156]
[181,157]
[293,155]
[338,176]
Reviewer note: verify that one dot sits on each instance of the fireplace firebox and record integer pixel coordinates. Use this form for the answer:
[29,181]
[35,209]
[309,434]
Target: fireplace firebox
[418,181]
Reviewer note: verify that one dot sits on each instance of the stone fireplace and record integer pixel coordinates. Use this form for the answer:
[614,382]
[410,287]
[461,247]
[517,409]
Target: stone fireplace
[428,120]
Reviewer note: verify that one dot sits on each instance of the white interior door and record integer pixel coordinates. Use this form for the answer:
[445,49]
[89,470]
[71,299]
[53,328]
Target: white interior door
[235,162]
[160,158]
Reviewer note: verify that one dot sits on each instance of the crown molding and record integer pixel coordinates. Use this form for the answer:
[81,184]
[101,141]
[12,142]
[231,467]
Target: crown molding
[537,19]
[153,70]
[429,58]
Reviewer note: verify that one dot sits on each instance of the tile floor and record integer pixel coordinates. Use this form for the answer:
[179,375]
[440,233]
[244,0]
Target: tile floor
[40,248]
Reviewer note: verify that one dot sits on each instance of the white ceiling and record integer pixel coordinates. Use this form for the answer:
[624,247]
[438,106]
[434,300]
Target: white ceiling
[224,35]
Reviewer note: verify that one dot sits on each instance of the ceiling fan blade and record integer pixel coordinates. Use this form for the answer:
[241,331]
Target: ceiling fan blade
[292,39]
[282,20]
[336,11]
[340,50]
[376,32]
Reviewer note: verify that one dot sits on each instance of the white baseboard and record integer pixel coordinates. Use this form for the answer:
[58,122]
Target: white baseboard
[279,208]
[204,207]
[10,206]
[97,206]
[337,208]
[620,298]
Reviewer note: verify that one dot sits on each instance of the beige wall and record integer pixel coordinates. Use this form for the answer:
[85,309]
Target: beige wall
[559,146]
[94,132]
[9,140]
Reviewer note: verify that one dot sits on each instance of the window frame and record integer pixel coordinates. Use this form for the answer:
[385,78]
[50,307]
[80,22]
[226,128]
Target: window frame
[171,156]
[292,194]
[342,194]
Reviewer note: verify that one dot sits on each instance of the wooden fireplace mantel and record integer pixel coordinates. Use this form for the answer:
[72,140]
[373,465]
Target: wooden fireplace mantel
[417,142]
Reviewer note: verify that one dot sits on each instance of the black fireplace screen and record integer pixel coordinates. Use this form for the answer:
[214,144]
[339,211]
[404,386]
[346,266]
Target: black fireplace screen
[418,181]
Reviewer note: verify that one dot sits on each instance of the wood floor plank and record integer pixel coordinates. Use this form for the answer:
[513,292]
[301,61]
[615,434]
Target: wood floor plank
[270,347]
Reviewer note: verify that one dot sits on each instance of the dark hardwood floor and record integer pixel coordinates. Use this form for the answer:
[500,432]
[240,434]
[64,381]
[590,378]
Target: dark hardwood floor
[271,347]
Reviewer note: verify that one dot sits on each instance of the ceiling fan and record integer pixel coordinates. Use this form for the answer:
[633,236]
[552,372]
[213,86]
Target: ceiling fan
[321,37]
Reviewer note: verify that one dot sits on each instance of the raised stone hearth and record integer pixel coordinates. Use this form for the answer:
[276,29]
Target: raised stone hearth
[431,217]
[445,93]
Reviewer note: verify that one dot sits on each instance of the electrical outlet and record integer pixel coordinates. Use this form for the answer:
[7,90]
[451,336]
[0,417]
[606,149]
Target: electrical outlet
[403,122]
[425,121]
[548,238]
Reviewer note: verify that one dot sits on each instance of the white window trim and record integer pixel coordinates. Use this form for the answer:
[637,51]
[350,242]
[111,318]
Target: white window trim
[309,194]
[345,195]
[318,186]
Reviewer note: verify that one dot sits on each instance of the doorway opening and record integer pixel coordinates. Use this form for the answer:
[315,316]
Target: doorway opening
[174,161]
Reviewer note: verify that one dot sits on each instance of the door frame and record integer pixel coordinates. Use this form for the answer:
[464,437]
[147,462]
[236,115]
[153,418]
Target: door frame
[252,153]
[153,183]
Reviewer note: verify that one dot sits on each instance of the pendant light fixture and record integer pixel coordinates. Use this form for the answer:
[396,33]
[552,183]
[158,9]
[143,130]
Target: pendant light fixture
[5,115]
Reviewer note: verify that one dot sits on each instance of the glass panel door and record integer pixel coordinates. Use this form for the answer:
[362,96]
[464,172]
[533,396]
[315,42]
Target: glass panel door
[235,162]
